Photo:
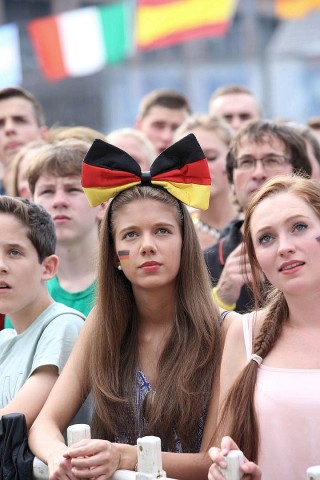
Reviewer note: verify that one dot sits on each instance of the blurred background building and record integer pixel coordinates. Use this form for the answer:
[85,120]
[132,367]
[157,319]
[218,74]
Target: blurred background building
[278,59]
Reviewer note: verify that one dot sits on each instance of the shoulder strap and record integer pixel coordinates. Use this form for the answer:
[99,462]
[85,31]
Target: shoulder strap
[247,324]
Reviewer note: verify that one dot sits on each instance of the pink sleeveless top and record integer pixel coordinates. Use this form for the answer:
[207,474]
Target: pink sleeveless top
[288,409]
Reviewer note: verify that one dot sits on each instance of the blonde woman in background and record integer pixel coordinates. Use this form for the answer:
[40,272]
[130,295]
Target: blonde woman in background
[214,136]
[136,144]
[15,180]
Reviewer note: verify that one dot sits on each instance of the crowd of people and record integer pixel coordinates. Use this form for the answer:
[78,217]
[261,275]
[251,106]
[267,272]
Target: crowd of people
[162,279]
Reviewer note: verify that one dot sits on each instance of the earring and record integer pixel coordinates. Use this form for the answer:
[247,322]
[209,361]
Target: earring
[119,267]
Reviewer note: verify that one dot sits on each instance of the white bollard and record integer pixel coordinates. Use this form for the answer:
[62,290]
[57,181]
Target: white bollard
[75,433]
[313,473]
[78,432]
[234,459]
[149,458]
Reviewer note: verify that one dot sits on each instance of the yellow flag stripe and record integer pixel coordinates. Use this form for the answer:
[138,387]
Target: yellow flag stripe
[191,194]
[154,22]
[96,196]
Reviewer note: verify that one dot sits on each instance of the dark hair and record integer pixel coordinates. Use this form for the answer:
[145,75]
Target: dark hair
[60,159]
[164,98]
[190,359]
[12,92]
[38,222]
[238,416]
[307,133]
[264,131]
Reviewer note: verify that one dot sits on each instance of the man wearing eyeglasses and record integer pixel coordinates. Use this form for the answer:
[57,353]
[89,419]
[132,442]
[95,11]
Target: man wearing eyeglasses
[260,150]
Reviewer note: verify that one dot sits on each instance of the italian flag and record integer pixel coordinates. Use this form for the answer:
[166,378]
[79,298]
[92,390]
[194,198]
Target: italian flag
[80,42]
[162,23]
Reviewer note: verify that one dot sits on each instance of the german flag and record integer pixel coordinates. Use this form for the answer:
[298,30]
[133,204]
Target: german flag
[123,255]
[181,169]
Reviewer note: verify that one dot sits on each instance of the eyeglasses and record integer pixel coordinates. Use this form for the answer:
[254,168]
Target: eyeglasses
[270,163]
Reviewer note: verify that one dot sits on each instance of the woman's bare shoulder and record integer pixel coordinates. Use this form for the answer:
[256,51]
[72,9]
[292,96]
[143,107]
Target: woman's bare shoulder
[229,318]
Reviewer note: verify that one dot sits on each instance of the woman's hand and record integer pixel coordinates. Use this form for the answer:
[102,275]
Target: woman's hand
[97,459]
[60,468]
[218,455]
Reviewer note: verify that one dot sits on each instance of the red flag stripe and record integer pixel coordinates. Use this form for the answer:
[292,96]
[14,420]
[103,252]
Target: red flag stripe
[44,35]
[195,172]
[103,177]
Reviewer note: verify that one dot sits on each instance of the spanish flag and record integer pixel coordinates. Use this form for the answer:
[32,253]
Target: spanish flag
[161,23]
[295,9]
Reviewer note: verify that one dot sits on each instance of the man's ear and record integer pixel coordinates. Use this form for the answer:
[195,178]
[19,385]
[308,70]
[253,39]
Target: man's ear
[101,210]
[50,267]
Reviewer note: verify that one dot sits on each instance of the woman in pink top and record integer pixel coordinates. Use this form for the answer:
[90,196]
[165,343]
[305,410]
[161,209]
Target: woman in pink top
[270,374]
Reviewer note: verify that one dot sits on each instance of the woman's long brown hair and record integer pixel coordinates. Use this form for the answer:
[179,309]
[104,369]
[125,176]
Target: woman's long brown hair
[190,359]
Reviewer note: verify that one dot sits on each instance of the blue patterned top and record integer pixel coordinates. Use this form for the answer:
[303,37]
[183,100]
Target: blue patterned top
[141,390]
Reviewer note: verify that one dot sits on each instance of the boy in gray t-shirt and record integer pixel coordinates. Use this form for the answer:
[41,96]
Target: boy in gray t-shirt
[34,353]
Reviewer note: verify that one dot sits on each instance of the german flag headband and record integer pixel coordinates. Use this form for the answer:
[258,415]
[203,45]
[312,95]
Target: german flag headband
[181,169]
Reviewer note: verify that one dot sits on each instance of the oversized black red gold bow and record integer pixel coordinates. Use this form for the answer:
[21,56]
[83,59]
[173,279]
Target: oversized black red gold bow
[181,169]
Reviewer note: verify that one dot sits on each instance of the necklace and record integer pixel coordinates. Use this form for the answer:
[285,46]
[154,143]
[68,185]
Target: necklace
[205,227]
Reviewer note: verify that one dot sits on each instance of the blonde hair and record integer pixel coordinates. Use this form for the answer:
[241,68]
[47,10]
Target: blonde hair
[138,135]
[11,177]
[77,132]
[210,123]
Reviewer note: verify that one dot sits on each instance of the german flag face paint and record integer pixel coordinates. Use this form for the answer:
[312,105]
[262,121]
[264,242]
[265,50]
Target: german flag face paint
[123,255]
[182,169]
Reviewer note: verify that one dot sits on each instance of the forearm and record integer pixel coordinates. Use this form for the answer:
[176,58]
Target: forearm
[186,466]
[183,466]
[45,440]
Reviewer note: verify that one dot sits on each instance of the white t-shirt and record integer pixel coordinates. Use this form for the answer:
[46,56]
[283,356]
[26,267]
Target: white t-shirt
[47,341]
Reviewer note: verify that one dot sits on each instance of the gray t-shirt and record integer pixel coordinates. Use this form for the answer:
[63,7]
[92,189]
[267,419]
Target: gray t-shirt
[47,341]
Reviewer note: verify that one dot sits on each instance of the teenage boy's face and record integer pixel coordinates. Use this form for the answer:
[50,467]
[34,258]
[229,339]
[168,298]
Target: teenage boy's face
[159,125]
[21,274]
[64,199]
